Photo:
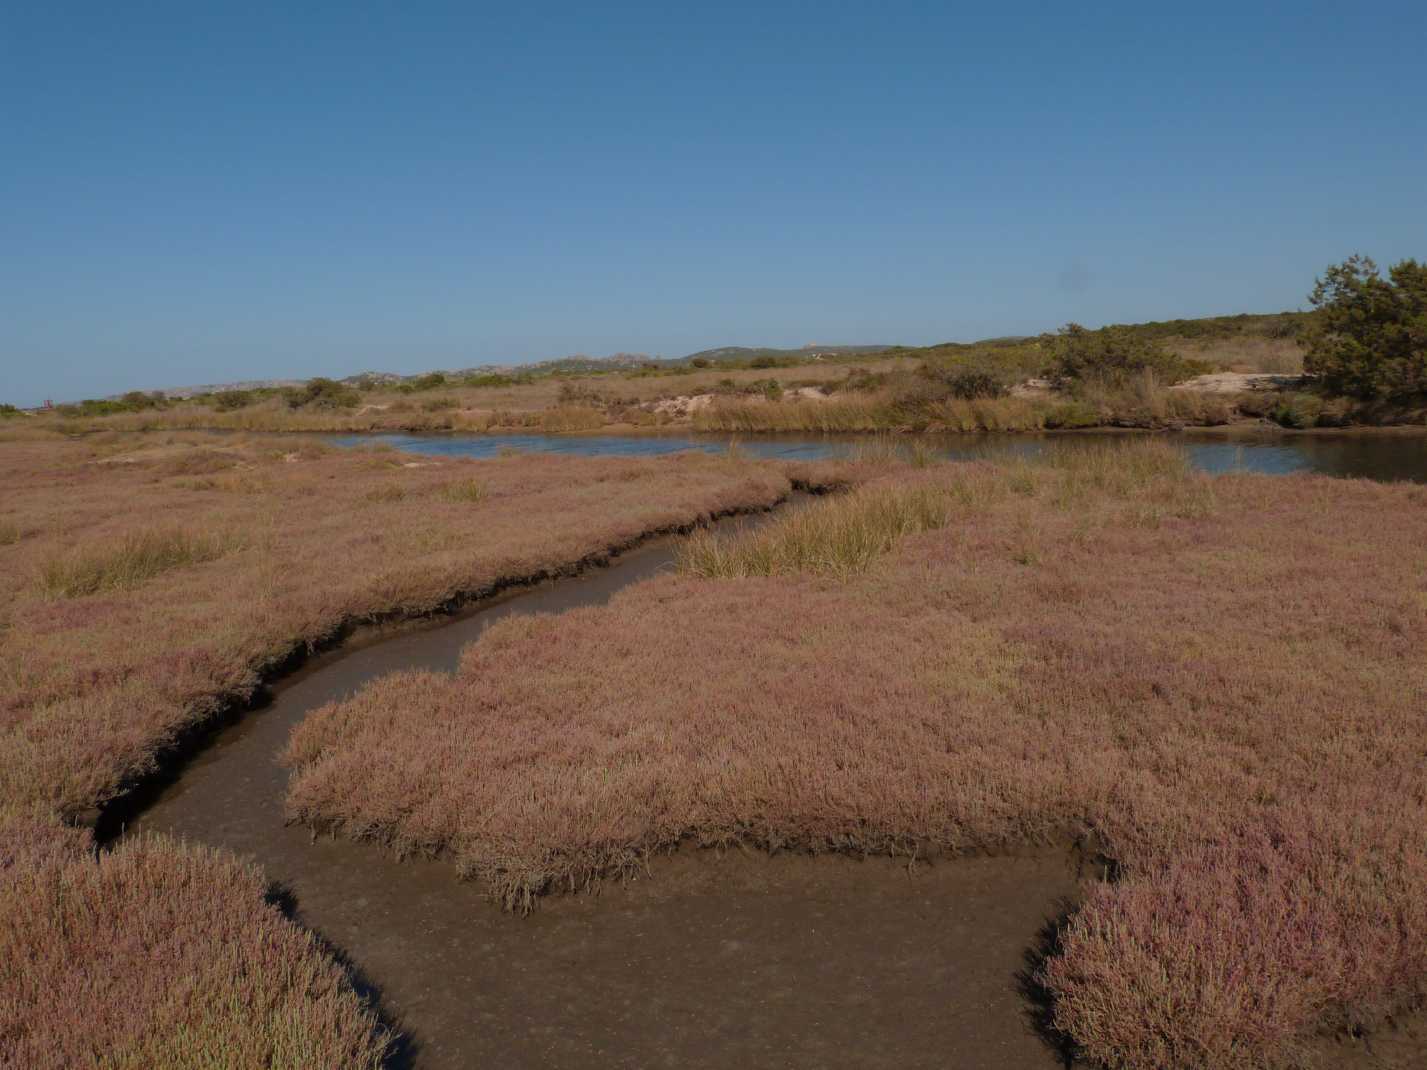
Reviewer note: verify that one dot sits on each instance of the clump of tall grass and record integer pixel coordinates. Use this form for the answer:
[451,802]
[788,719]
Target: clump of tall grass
[880,449]
[571,418]
[463,490]
[1120,469]
[889,450]
[992,414]
[837,537]
[1152,477]
[859,413]
[922,454]
[127,563]
[389,493]
[1155,478]
[911,404]
[197,462]
[1145,400]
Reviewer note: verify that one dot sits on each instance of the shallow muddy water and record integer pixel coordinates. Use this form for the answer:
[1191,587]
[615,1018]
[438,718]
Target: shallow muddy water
[708,960]
[1391,455]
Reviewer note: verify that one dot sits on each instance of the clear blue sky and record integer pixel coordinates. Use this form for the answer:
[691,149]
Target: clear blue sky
[193,192]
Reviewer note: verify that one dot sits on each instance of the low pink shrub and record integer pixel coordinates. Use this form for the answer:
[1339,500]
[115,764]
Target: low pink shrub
[313,539]
[1221,681]
[158,954]
[155,954]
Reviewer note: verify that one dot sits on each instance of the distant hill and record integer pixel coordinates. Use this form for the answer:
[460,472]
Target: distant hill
[1274,325]
[575,364]
[732,354]
[579,362]
[214,388]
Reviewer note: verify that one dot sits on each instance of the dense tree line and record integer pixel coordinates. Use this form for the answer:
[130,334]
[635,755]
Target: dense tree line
[1370,337]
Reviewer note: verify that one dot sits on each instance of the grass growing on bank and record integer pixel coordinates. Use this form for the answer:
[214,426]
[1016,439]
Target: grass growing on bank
[835,537]
[463,490]
[132,560]
[1217,682]
[1142,403]
[846,535]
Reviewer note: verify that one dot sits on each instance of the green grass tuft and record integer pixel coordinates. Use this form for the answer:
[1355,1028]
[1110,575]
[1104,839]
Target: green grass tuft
[389,493]
[465,490]
[126,564]
[839,537]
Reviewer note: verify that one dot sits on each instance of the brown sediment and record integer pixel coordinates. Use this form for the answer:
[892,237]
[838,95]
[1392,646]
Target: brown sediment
[707,959]
[1399,1043]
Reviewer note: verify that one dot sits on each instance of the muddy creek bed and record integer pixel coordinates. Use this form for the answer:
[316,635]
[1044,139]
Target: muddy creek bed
[711,960]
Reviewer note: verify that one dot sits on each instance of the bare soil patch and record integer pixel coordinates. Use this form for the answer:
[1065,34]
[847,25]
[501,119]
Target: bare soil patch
[1239,382]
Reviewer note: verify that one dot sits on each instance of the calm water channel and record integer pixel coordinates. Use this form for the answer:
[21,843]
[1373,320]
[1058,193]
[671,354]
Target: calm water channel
[1387,456]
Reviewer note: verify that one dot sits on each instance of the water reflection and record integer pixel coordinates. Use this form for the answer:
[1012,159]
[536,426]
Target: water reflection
[1368,456]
